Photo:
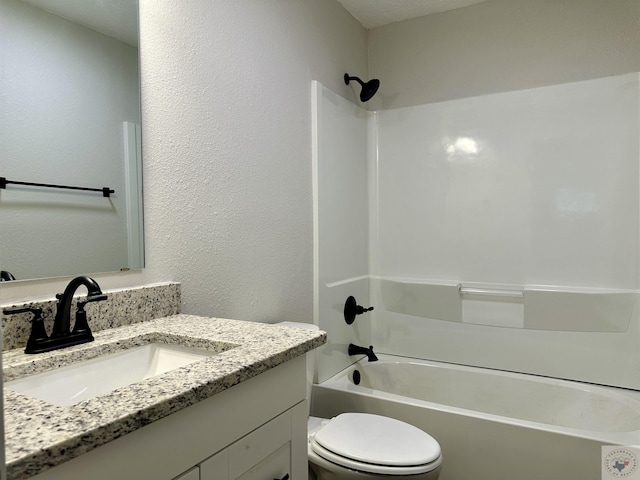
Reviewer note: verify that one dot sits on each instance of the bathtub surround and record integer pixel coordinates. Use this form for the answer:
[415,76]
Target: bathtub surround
[522,209]
[500,232]
[122,307]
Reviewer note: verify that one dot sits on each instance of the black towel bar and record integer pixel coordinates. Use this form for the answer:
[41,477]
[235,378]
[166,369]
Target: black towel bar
[106,191]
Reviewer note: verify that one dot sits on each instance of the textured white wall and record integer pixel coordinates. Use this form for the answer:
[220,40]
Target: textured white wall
[227,147]
[502,45]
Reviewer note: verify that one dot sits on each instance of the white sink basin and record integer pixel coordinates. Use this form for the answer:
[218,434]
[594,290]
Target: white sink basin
[81,381]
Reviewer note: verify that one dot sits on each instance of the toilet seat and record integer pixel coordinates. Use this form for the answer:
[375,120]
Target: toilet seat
[376,444]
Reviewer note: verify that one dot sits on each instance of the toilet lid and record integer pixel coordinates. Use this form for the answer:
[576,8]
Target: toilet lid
[375,440]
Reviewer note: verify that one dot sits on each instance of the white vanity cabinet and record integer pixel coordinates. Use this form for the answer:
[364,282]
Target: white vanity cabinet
[263,454]
[255,430]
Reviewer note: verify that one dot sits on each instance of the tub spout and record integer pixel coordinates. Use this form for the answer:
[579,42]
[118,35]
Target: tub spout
[357,350]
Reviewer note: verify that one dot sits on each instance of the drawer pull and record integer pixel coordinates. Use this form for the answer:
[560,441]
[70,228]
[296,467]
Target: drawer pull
[286,477]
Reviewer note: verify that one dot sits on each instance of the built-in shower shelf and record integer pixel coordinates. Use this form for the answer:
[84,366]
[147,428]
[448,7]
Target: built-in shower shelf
[491,292]
[516,306]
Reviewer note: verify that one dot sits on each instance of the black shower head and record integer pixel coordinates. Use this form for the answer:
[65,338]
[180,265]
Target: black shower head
[369,89]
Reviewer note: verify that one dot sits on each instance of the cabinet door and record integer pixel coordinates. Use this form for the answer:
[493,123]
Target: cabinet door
[193,474]
[276,466]
[216,467]
[260,445]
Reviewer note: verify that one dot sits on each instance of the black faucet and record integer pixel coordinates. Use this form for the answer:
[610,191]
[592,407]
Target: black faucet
[357,350]
[62,322]
[62,335]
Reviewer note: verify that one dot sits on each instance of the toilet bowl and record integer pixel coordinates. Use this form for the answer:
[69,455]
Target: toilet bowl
[363,446]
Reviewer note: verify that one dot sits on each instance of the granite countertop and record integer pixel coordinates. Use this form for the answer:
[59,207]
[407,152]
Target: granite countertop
[40,435]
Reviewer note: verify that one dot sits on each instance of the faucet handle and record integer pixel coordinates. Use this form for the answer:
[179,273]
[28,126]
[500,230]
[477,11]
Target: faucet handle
[13,310]
[38,333]
[81,327]
[37,311]
[89,299]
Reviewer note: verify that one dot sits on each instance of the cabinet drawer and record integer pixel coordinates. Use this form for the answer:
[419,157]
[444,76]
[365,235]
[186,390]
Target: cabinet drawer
[216,467]
[259,445]
[276,465]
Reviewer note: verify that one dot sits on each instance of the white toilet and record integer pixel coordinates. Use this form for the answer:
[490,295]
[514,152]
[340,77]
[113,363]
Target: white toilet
[363,446]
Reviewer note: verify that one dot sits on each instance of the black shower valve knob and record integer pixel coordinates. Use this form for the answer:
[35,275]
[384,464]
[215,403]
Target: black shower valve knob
[351,309]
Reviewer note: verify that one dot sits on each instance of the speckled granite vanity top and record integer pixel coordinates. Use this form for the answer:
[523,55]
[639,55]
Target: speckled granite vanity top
[40,435]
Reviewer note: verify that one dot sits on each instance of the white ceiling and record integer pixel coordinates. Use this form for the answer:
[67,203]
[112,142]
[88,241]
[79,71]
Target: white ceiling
[115,18]
[376,13]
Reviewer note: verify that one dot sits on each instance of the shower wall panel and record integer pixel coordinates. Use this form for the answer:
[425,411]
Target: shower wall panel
[517,216]
[529,187]
[341,224]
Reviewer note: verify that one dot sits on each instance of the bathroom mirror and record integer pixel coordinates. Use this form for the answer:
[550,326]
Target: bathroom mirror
[69,116]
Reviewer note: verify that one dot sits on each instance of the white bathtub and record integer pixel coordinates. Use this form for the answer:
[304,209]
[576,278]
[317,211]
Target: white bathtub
[492,425]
